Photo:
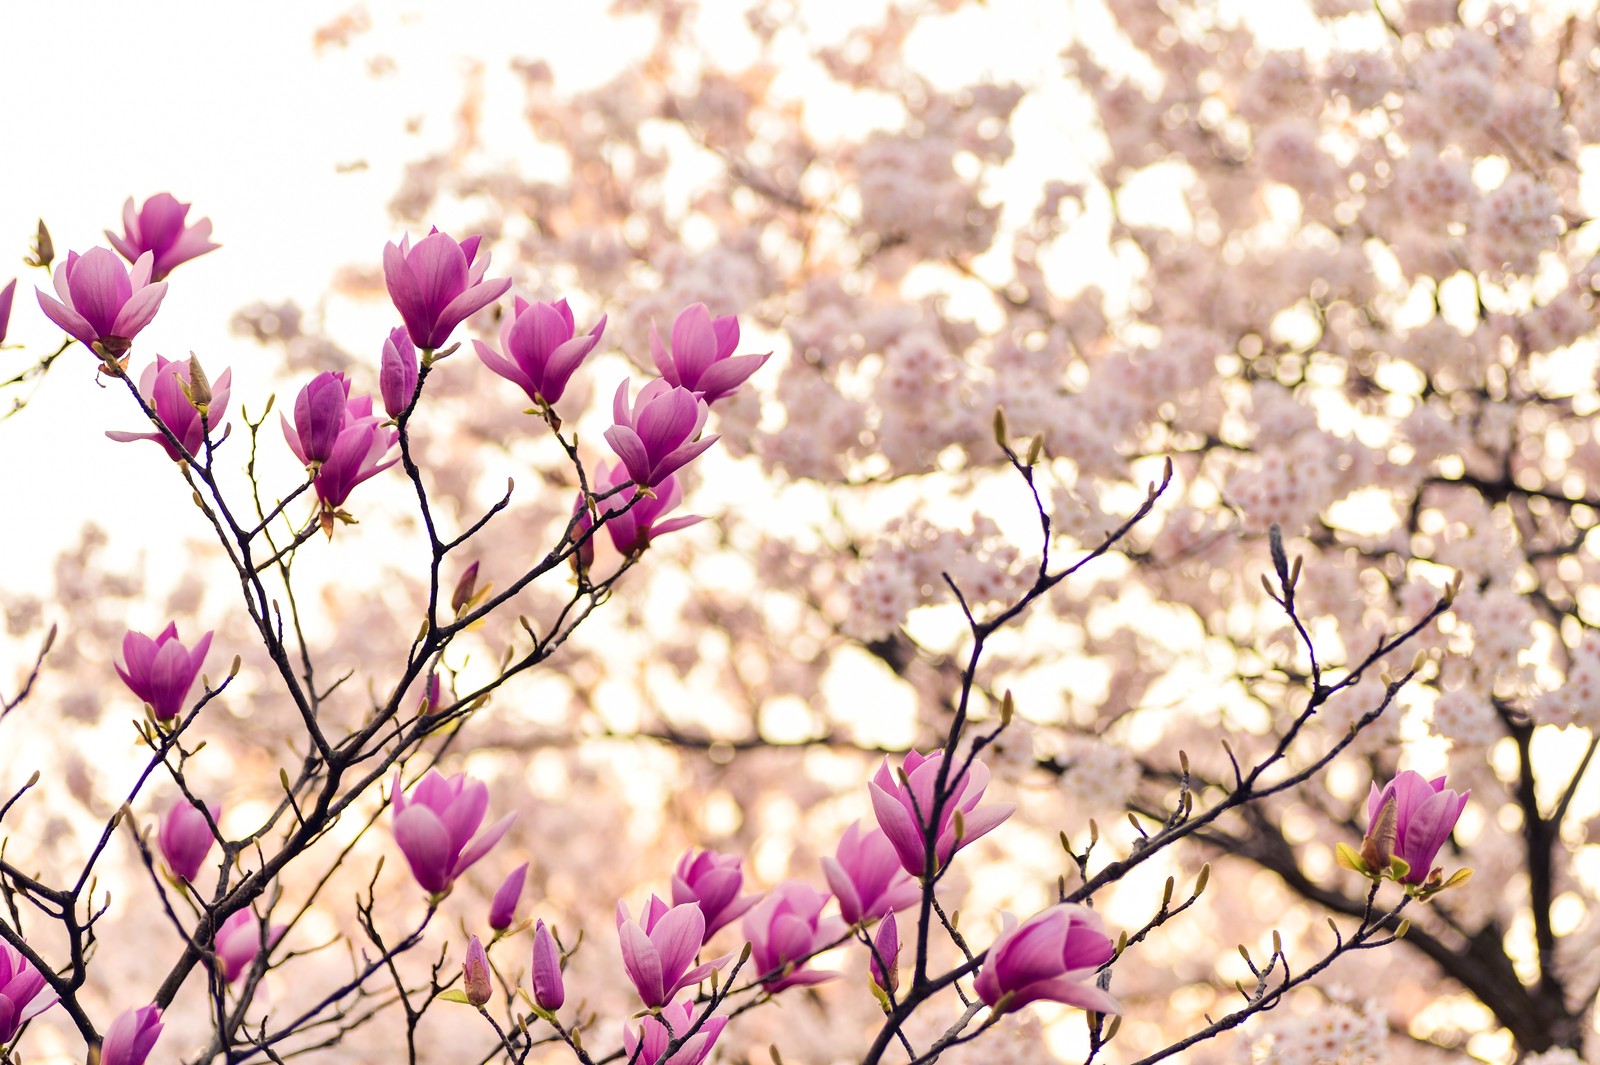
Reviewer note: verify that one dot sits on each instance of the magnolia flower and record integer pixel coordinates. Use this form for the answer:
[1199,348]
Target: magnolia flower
[659,433]
[658,950]
[131,1036]
[631,528]
[1410,819]
[162,386]
[6,296]
[239,941]
[23,995]
[702,358]
[884,968]
[903,810]
[319,415]
[435,827]
[785,929]
[548,990]
[1052,956]
[161,671]
[359,445]
[542,348]
[649,1047]
[101,302]
[186,837]
[438,284]
[159,228]
[867,877]
[503,907]
[475,979]
[711,881]
[397,372]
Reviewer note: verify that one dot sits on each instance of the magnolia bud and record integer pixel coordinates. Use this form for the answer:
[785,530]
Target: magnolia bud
[475,974]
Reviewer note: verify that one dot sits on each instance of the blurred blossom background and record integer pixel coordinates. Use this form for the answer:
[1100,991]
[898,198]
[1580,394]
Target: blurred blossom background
[1335,257]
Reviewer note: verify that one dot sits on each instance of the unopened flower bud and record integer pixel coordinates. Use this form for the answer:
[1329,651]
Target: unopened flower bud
[885,968]
[462,597]
[548,990]
[198,387]
[475,974]
[503,908]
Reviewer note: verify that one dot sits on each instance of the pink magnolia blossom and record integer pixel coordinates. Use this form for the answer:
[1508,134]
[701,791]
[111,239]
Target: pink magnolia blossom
[542,348]
[475,979]
[161,385]
[435,827]
[884,968]
[903,810]
[186,837]
[712,882]
[359,447]
[6,296]
[631,528]
[649,1046]
[503,907]
[100,299]
[866,875]
[23,992]
[1425,815]
[239,941]
[131,1036]
[319,415]
[785,929]
[438,284]
[548,990]
[160,228]
[658,950]
[659,433]
[161,671]
[397,372]
[1051,956]
[702,358]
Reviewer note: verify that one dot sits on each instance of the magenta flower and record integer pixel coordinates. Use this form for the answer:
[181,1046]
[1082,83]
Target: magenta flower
[161,671]
[785,929]
[702,358]
[866,876]
[1425,815]
[438,284]
[656,1035]
[186,837]
[101,301]
[659,434]
[397,372]
[658,954]
[712,882]
[162,385]
[543,347]
[503,907]
[631,528]
[548,990]
[159,228]
[319,415]
[239,941]
[1051,956]
[359,447]
[884,967]
[131,1036]
[6,296]
[436,825]
[23,994]
[475,980]
[903,812]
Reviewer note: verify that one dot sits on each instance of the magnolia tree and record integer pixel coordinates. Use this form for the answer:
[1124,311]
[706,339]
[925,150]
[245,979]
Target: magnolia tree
[1026,587]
